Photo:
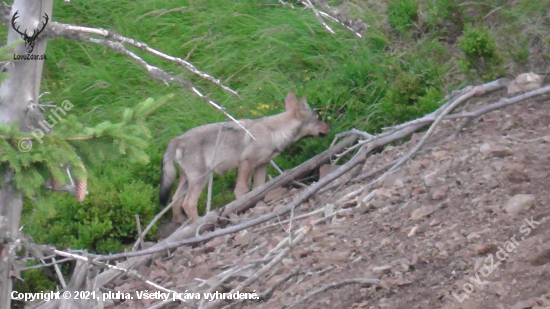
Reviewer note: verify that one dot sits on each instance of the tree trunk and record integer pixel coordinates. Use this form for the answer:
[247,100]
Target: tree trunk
[17,94]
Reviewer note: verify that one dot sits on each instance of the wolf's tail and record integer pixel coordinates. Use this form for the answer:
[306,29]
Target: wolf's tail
[167,173]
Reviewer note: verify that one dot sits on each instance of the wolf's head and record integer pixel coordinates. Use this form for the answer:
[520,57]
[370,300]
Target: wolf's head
[311,124]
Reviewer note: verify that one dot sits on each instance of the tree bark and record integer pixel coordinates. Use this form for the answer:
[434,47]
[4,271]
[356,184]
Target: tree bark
[17,94]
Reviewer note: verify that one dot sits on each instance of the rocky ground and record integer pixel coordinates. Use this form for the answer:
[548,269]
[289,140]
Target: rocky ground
[464,225]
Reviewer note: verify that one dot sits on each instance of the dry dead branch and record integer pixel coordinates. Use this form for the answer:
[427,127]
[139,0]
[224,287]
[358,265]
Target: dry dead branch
[140,233]
[157,217]
[334,15]
[502,103]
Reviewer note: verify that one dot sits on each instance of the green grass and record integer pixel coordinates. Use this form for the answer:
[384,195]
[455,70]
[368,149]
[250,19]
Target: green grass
[263,50]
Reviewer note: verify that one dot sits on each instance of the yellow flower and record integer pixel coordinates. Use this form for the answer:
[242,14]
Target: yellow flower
[263,106]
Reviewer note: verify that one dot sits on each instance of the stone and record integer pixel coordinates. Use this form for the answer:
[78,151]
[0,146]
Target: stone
[326,169]
[275,194]
[519,202]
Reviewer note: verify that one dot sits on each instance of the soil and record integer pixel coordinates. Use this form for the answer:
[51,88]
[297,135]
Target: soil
[468,220]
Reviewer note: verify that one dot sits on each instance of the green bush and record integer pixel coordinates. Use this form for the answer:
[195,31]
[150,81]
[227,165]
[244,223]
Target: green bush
[445,17]
[103,222]
[402,14]
[480,52]
[520,52]
[35,281]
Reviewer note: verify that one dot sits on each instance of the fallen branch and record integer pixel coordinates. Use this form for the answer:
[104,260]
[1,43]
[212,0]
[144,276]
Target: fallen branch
[334,285]
[302,233]
[59,274]
[500,104]
[140,234]
[355,26]
[310,6]
[477,91]
[45,264]
[156,218]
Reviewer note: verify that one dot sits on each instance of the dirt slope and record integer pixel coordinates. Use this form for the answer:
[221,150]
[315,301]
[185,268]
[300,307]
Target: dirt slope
[427,234]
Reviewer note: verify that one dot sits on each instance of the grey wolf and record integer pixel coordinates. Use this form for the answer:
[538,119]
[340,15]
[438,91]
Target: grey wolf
[193,152]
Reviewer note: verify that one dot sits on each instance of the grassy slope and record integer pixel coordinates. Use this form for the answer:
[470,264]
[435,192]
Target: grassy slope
[262,50]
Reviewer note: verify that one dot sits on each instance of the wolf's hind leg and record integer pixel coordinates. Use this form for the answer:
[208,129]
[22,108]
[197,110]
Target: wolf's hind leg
[194,191]
[177,214]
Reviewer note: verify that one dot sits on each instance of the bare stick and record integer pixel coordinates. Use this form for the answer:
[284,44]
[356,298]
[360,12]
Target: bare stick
[334,285]
[300,217]
[285,4]
[209,193]
[502,103]
[354,26]
[308,4]
[211,177]
[140,235]
[59,274]
[336,15]
[156,218]
[281,171]
[348,133]
[327,16]
[360,177]
[46,265]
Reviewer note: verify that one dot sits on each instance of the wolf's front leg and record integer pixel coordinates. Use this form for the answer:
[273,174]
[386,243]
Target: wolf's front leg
[259,175]
[243,178]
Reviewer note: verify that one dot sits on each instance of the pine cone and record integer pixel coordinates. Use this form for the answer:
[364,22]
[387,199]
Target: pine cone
[81,189]
[54,183]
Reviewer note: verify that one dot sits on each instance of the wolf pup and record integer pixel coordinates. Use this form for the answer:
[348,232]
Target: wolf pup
[196,154]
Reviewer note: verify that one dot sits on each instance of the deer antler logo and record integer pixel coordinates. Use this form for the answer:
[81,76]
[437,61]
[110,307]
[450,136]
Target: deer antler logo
[29,40]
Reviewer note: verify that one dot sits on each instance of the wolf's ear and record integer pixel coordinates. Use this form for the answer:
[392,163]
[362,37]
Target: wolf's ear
[305,111]
[291,102]
[304,105]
